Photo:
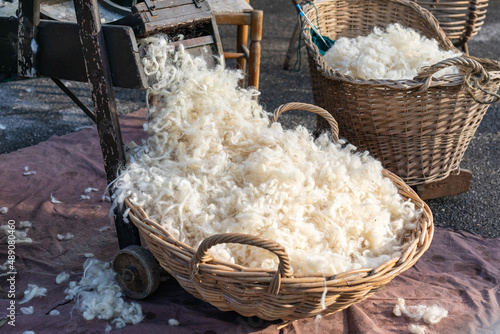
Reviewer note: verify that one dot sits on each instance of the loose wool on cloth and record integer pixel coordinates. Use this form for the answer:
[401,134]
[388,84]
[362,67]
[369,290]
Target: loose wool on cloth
[459,272]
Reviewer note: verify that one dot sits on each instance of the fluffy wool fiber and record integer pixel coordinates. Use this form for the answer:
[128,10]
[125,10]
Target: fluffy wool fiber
[395,53]
[63,237]
[430,314]
[54,312]
[27,310]
[99,296]
[25,224]
[33,291]
[416,329]
[54,200]
[21,232]
[173,322]
[62,277]
[213,164]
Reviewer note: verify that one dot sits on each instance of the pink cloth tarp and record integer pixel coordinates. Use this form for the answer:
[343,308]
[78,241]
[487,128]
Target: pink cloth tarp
[459,272]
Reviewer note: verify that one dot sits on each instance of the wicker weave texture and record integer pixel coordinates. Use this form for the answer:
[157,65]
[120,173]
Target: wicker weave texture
[277,294]
[460,20]
[418,128]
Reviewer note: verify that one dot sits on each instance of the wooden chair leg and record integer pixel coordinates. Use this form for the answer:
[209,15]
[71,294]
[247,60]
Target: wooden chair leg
[242,42]
[255,38]
[292,47]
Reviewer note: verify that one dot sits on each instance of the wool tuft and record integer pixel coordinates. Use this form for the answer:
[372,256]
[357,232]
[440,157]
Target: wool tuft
[27,310]
[416,329]
[98,295]
[54,312]
[83,197]
[103,229]
[173,322]
[24,241]
[317,322]
[28,172]
[213,164]
[434,314]
[395,53]
[62,277]
[53,200]
[4,266]
[21,233]
[88,190]
[4,210]
[63,237]
[430,314]
[33,291]
[323,297]
[25,224]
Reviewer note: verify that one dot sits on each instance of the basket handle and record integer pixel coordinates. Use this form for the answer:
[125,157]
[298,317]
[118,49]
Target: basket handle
[475,75]
[201,255]
[465,64]
[311,108]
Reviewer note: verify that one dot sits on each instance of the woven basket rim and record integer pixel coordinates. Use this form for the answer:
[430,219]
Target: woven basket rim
[422,235]
[403,84]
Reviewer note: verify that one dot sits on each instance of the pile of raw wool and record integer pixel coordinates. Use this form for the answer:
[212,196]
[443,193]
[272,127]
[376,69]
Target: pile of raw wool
[213,164]
[396,53]
[98,295]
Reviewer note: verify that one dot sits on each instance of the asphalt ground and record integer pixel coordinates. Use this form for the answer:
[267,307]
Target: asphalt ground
[34,110]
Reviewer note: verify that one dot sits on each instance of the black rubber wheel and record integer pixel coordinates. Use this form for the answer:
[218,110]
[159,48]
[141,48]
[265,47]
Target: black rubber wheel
[137,271]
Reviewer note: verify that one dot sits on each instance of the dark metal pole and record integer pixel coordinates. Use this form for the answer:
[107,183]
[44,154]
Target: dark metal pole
[108,127]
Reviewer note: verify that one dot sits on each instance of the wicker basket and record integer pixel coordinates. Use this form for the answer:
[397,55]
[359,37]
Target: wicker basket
[418,128]
[460,20]
[270,294]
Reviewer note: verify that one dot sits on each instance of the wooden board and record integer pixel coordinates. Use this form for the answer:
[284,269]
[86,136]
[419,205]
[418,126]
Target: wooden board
[168,15]
[60,53]
[454,184]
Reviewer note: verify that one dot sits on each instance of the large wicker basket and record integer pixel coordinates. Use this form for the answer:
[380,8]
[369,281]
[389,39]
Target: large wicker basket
[276,294]
[418,128]
[460,20]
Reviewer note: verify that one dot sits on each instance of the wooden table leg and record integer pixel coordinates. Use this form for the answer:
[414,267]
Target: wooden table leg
[29,18]
[103,98]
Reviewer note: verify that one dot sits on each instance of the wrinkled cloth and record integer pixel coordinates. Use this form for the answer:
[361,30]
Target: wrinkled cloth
[459,272]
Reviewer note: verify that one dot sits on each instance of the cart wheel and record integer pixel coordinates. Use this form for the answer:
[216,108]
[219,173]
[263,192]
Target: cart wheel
[138,273]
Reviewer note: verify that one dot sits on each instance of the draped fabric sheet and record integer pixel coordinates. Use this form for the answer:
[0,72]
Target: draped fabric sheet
[459,272]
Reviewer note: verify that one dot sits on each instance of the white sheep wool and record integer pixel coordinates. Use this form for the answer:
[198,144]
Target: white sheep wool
[395,53]
[98,295]
[213,164]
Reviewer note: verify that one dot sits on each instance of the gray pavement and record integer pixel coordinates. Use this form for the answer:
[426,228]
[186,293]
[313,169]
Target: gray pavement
[32,111]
